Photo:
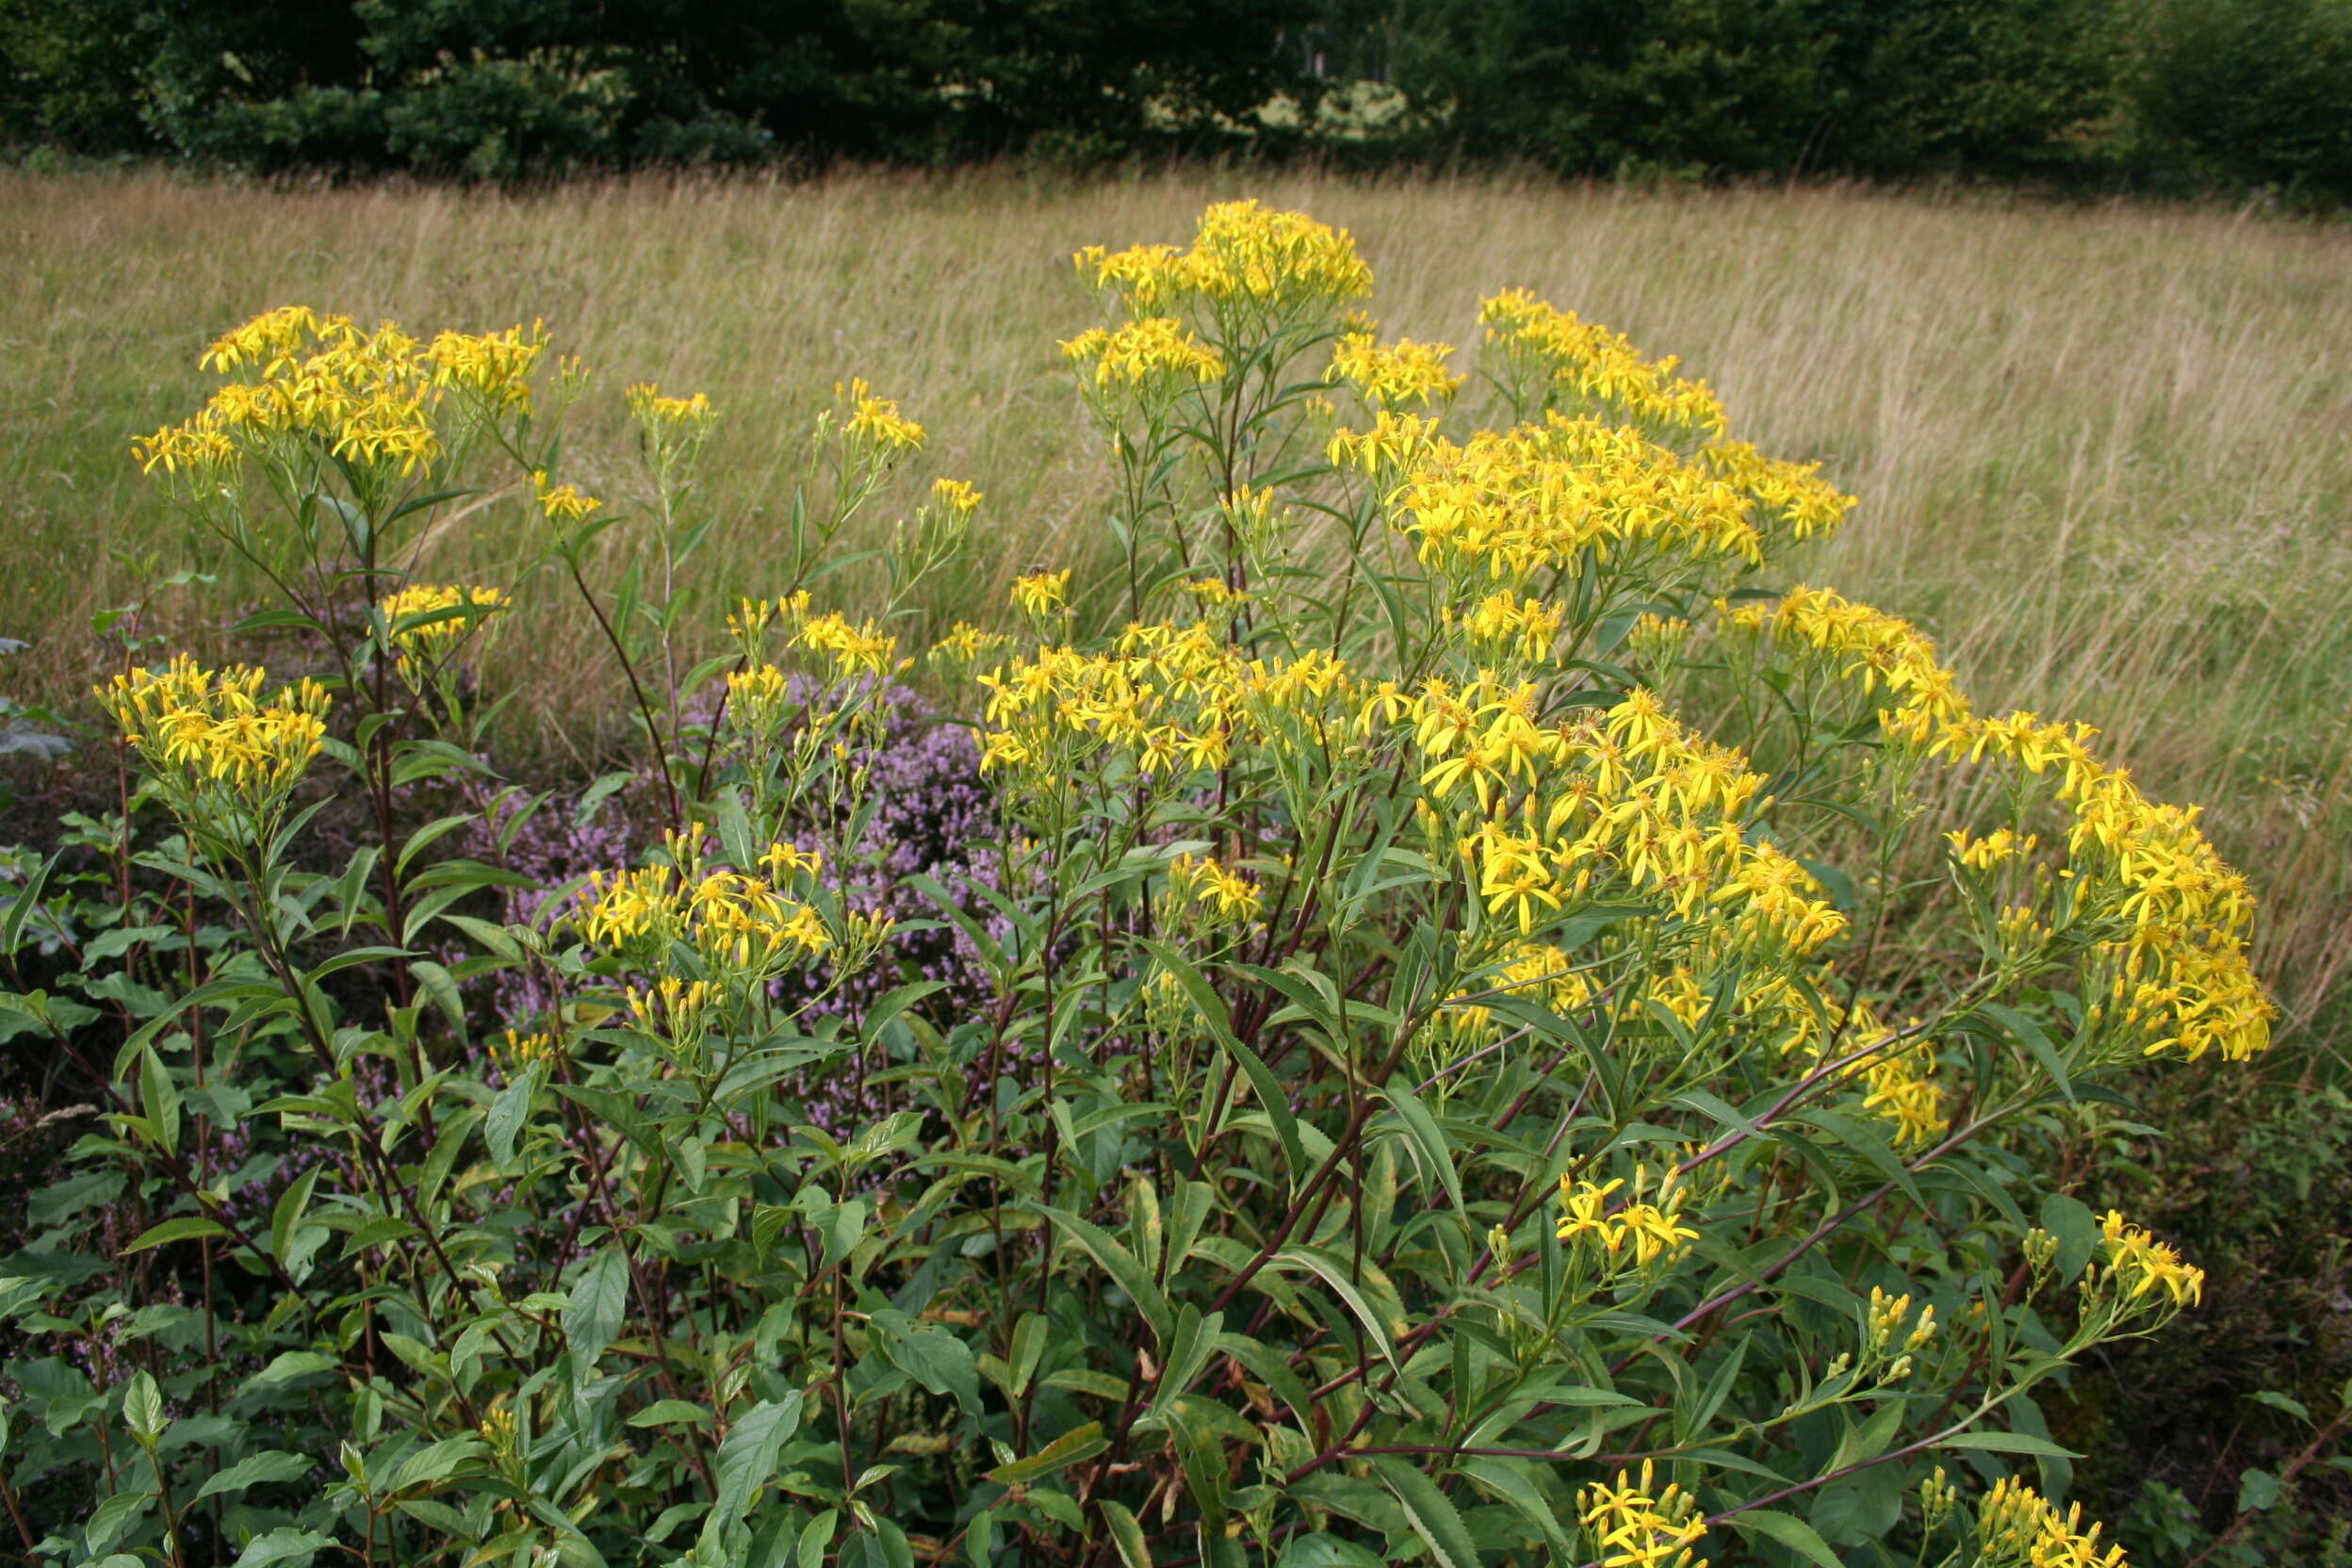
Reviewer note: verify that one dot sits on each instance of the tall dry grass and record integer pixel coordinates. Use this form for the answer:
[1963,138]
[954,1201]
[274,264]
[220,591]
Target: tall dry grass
[2105,455]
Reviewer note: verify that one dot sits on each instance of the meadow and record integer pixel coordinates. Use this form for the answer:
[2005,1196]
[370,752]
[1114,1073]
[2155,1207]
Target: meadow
[1123,1121]
[2101,452]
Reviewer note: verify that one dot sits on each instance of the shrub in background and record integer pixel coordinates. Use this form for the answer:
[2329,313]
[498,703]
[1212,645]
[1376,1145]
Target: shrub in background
[1412,1088]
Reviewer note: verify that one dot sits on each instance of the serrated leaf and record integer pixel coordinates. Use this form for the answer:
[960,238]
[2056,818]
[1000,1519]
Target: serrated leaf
[1431,1514]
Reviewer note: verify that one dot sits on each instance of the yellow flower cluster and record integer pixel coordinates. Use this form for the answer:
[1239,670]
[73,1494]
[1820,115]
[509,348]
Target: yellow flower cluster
[1636,1525]
[1040,593]
[2181,979]
[425,621]
[955,496]
[1399,374]
[562,503]
[648,406]
[1633,796]
[1590,362]
[1395,444]
[371,398]
[1154,348]
[855,648]
[1226,895]
[1169,700]
[1244,255]
[1807,505]
[1899,1084]
[207,729]
[1886,1319]
[2016,1527]
[1995,849]
[737,922]
[1653,1227]
[2140,1267]
[1509,625]
[877,420]
[1508,504]
[969,643]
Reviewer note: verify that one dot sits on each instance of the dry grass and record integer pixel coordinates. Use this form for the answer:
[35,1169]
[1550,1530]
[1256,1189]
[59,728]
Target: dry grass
[2102,453]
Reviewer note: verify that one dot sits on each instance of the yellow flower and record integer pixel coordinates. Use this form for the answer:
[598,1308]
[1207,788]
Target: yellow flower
[876,420]
[956,496]
[1653,1230]
[562,503]
[212,734]
[1040,593]
[426,622]
[860,649]
[2016,1527]
[1636,1525]
[1396,374]
[1226,895]
[1245,256]
[1156,348]
[649,407]
[1594,363]
[2140,1266]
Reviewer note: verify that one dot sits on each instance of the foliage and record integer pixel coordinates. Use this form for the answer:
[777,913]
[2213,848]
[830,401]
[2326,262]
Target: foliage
[2182,94]
[1420,1096]
[497,89]
[2247,93]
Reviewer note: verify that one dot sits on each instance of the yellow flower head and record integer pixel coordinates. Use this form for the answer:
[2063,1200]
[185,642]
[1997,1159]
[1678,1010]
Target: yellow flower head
[1399,374]
[1224,894]
[561,504]
[877,422]
[426,622]
[1155,349]
[1040,593]
[2141,1267]
[955,496]
[213,736]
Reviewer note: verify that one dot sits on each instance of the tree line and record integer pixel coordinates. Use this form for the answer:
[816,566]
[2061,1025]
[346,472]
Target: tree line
[2171,95]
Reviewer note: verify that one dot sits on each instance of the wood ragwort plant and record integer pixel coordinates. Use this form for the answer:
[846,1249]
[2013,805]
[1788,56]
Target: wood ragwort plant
[1416,1093]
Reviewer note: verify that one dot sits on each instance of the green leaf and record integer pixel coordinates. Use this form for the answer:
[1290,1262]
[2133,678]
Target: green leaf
[592,1317]
[1790,1531]
[1126,1535]
[1427,1138]
[1328,1551]
[669,1413]
[2258,1490]
[1267,1088]
[2037,1040]
[1129,1275]
[1079,1443]
[507,1112]
[283,1545]
[186,1228]
[435,1462]
[288,1365]
[1334,1273]
[273,1464]
[1431,1514]
[2077,1229]
[2008,1443]
[747,1458]
[142,1407]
